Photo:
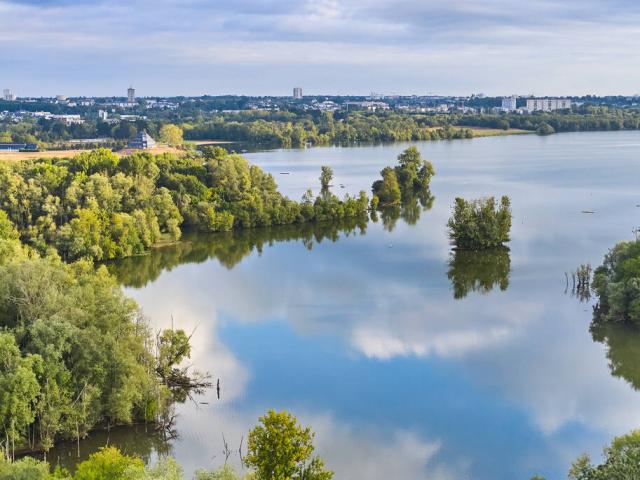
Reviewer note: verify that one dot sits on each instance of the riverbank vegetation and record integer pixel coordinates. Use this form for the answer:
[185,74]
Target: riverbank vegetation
[480,224]
[617,285]
[278,448]
[99,206]
[75,353]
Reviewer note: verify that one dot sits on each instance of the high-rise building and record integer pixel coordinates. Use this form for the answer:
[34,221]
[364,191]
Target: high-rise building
[509,103]
[8,95]
[297,93]
[131,95]
[547,104]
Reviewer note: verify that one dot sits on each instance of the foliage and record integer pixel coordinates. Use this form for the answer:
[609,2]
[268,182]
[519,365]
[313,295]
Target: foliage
[410,177]
[326,175]
[545,129]
[109,464]
[74,352]
[281,449]
[99,206]
[621,461]
[171,134]
[479,225]
[226,472]
[617,284]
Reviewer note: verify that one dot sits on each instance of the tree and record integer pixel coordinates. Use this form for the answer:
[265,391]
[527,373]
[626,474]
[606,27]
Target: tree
[617,284]
[478,225]
[281,449]
[621,461]
[409,178]
[387,189]
[171,134]
[545,129]
[19,391]
[109,464]
[326,176]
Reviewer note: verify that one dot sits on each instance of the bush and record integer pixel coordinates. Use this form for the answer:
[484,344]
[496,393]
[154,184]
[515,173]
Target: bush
[617,284]
[479,225]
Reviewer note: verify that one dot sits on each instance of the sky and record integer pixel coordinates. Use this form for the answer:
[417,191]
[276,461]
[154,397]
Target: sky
[266,47]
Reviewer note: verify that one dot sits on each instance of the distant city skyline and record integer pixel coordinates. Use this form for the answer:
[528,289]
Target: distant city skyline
[327,47]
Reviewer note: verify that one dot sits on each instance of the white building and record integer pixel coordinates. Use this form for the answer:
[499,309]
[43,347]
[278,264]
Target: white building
[547,104]
[297,93]
[509,104]
[8,95]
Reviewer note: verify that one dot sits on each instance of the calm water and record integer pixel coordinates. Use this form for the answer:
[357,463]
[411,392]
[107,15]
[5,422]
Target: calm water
[409,362]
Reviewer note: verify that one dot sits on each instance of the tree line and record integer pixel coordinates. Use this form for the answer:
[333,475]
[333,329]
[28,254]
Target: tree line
[278,448]
[100,206]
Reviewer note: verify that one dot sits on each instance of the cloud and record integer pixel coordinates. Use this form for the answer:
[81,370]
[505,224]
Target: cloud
[171,47]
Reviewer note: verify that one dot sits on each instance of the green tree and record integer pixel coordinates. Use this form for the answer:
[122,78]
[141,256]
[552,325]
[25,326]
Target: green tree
[171,134]
[280,449]
[19,392]
[621,461]
[326,176]
[387,189]
[479,224]
[109,464]
[545,129]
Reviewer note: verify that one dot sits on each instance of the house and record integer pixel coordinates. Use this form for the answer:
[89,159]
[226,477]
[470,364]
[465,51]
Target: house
[142,141]
[18,147]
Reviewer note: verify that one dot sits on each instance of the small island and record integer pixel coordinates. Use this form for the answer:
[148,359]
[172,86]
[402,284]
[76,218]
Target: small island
[480,224]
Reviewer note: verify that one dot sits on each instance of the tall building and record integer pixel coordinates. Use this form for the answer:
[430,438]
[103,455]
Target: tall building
[547,104]
[8,95]
[297,93]
[509,103]
[131,95]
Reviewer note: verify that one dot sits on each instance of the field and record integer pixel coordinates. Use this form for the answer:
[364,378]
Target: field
[494,132]
[18,156]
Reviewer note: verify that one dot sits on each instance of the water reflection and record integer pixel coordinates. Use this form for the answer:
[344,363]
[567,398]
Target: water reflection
[229,248]
[143,441]
[623,350]
[409,210]
[478,271]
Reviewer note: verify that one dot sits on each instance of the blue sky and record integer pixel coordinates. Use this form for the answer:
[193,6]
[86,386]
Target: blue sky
[193,47]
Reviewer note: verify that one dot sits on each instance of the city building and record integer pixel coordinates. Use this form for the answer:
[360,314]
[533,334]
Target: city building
[131,95]
[297,93]
[142,141]
[8,95]
[103,115]
[61,98]
[547,104]
[509,104]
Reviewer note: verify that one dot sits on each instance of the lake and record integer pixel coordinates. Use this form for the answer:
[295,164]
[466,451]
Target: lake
[407,360]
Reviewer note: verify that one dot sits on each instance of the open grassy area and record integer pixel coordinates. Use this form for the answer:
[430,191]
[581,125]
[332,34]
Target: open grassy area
[18,156]
[494,132]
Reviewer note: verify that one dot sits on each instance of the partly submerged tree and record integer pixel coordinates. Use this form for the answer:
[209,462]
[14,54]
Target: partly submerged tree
[281,449]
[326,175]
[478,224]
[410,177]
[617,284]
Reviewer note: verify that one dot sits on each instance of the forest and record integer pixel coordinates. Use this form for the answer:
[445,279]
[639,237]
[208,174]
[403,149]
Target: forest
[75,353]
[296,128]
[100,206]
